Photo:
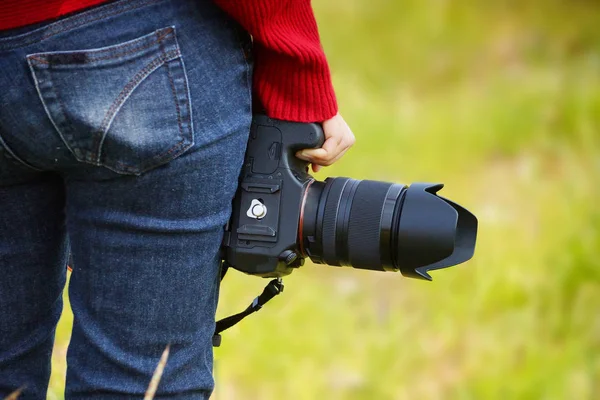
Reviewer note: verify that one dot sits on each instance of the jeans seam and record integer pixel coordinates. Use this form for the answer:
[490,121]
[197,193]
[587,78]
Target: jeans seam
[16,158]
[242,45]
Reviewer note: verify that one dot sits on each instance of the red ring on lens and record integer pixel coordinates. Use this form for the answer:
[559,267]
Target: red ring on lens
[301,220]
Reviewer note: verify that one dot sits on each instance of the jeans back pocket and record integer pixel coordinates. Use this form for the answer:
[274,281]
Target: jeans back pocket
[125,107]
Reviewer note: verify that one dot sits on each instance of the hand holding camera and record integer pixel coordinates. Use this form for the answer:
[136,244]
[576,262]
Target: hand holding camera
[338,139]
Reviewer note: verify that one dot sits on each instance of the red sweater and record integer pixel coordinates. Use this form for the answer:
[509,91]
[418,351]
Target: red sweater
[291,76]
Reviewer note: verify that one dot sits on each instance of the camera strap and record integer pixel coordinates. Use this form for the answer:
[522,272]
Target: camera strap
[273,288]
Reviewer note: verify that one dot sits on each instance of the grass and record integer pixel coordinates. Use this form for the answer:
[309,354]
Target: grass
[501,102]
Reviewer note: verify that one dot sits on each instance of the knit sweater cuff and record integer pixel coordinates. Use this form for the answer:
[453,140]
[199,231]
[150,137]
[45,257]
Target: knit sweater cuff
[289,89]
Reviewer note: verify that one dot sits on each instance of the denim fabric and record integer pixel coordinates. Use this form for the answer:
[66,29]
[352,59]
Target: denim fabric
[122,133]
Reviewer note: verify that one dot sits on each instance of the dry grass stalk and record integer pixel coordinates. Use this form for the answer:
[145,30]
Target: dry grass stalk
[15,395]
[151,391]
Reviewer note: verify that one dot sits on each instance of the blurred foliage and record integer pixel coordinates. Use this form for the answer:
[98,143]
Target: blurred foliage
[501,102]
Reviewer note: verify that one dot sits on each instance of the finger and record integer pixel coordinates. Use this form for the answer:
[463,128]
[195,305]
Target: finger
[316,167]
[325,154]
[332,148]
[340,150]
[310,155]
[342,153]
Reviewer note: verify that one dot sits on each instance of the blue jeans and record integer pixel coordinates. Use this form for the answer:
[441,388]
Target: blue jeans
[122,134]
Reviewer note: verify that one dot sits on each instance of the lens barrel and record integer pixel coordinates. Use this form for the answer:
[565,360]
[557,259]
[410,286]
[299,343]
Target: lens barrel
[385,226]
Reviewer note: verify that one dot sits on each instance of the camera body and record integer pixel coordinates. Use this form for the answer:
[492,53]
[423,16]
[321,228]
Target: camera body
[282,215]
[261,237]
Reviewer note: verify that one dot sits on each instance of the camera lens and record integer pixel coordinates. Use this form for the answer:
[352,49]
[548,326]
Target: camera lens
[384,226]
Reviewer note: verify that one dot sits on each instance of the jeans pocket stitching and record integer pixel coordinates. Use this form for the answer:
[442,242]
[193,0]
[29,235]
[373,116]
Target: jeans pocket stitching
[169,54]
[61,113]
[125,93]
[177,107]
[113,51]
[186,142]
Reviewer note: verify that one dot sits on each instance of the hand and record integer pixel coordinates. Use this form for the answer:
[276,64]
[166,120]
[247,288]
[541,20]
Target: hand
[338,139]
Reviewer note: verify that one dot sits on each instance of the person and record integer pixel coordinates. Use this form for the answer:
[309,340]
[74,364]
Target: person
[123,126]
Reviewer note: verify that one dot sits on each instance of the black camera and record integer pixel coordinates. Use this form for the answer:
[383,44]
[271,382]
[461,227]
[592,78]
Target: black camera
[282,215]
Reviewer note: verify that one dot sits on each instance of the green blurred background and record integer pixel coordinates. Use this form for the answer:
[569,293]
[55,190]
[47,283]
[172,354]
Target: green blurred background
[501,102]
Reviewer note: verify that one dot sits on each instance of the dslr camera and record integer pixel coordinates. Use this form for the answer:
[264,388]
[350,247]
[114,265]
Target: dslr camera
[281,215]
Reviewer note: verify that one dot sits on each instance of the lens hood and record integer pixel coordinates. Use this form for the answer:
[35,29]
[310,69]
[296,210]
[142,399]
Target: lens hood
[433,232]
